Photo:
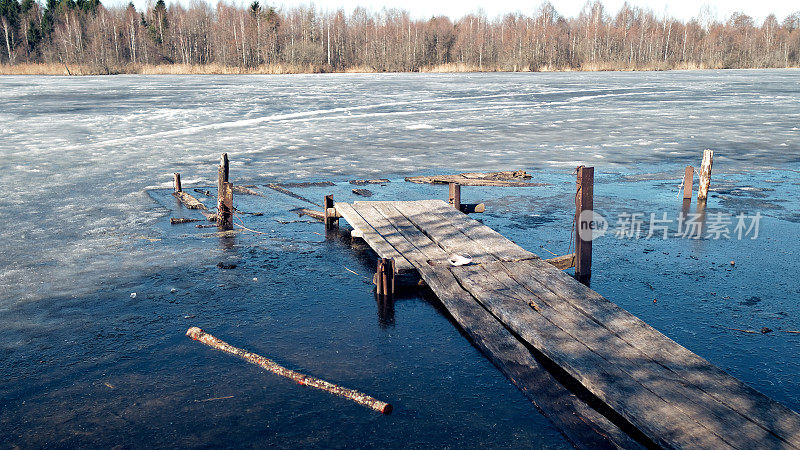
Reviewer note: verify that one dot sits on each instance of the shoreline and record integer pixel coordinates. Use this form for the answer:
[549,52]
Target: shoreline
[284,69]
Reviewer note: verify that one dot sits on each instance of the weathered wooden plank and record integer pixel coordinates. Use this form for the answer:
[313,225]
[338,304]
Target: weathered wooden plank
[387,230]
[653,415]
[672,395]
[748,402]
[581,424]
[712,414]
[457,233]
[375,240]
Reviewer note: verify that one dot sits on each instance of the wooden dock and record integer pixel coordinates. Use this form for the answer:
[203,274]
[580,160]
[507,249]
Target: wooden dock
[622,383]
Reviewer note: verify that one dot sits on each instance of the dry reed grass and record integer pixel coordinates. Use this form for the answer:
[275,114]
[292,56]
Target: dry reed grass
[279,69]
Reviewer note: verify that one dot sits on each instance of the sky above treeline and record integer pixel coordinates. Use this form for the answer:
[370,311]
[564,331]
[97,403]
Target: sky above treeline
[455,9]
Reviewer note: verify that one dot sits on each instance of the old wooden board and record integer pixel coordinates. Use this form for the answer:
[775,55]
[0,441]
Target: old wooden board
[581,424]
[373,238]
[647,383]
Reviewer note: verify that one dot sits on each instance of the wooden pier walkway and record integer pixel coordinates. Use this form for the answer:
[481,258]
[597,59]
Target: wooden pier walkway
[524,314]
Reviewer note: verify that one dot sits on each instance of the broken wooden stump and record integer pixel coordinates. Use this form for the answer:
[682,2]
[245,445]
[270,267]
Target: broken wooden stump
[455,196]
[584,222]
[384,277]
[688,182]
[362,399]
[331,218]
[224,195]
[705,174]
[176,182]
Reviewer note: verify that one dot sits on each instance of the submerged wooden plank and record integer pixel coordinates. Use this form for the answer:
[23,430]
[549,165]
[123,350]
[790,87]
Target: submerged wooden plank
[374,239]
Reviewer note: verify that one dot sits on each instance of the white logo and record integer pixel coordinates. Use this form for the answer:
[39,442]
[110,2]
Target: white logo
[591,225]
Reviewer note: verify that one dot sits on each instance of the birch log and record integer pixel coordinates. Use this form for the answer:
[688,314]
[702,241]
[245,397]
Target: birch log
[199,335]
[705,174]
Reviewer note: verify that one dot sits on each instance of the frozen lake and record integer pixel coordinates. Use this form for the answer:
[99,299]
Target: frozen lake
[86,163]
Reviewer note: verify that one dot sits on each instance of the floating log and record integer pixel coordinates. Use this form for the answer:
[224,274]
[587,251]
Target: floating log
[583,202]
[205,192]
[283,190]
[508,179]
[362,399]
[455,196]
[563,262]
[244,190]
[179,220]
[472,208]
[189,201]
[176,182]
[307,184]
[705,174]
[319,215]
[688,182]
[363,192]
[363,182]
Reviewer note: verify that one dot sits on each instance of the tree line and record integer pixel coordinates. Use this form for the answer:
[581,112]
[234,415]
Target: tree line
[85,32]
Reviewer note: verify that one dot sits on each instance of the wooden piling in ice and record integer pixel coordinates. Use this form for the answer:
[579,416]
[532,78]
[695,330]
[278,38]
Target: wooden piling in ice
[688,182]
[455,196]
[331,218]
[705,174]
[384,277]
[224,195]
[584,202]
[176,182]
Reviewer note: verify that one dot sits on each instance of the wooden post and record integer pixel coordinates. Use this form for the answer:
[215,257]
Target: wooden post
[688,182]
[705,174]
[224,195]
[224,166]
[583,202]
[455,196]
[331,219]
[384,277]
[176,182]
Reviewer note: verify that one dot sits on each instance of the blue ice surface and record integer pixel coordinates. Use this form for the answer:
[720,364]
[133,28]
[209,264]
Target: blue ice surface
[86,174]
